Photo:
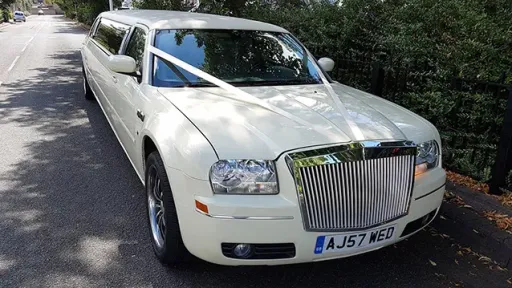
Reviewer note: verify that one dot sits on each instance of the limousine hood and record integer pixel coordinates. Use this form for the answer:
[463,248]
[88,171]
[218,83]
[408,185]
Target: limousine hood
[305,115]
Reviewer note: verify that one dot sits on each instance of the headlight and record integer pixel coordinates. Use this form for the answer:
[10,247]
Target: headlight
[427,156]
[251,177]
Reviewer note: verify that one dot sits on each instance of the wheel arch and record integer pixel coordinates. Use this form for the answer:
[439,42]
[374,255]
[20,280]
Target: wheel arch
[148,147]
[180,145]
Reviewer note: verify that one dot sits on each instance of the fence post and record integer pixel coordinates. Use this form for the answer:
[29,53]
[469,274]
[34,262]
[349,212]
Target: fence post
[377,78]
[503,161]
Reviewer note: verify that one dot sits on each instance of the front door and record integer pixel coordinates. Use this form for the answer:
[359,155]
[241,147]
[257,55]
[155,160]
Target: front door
[130,97]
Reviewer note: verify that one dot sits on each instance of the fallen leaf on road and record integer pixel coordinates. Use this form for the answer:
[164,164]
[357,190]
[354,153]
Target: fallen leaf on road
[506,199]
[460,253]
[467,206]
[501,268]
[448,195]
[456,262]
[476,231]
[508,281]
[458,201]
[467,181]
[432,262]
[467,249]
[485,259]
[442,217]
[503,221]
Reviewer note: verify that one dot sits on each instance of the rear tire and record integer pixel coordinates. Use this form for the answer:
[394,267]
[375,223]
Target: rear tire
[162,217]
[88,94]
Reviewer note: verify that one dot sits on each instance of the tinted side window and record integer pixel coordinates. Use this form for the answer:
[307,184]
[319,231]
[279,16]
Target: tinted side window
[135,48]
[110,35]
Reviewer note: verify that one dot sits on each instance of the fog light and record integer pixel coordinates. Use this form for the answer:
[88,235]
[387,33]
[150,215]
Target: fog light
[242,250]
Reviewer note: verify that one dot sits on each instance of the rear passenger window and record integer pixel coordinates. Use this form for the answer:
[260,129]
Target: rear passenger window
[110,35]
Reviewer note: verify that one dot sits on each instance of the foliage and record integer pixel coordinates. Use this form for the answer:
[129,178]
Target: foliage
[4,4]
[84,11]
[159,4]
[24,5]
[6,15]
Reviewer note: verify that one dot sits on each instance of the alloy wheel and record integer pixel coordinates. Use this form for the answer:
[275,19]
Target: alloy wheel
[156,208]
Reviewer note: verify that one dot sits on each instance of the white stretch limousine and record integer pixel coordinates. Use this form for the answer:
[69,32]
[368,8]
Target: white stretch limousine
[249,152]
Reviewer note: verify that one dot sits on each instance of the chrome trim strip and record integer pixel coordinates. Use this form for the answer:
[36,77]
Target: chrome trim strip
[346,155]
[245,217]
[431,192]
[348,152]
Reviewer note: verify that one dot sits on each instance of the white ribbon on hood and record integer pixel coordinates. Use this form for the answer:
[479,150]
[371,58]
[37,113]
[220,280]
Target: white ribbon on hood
[246,97]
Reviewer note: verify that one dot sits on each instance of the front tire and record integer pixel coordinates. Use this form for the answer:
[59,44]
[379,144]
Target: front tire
[162,217]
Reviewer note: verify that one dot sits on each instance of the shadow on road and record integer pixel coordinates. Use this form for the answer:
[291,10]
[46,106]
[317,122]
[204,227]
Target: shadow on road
[72,211]
[72,202]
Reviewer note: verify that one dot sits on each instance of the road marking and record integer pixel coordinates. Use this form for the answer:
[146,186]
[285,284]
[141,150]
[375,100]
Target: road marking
[13,63]
[26,45]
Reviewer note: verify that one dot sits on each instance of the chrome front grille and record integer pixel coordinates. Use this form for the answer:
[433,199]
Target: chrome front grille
[354,186]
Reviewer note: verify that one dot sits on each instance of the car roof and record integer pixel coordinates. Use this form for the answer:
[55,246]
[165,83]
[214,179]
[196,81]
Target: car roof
[162,19]
[19,12]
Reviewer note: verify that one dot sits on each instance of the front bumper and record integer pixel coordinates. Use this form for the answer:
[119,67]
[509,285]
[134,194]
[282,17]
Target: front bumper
[270,219]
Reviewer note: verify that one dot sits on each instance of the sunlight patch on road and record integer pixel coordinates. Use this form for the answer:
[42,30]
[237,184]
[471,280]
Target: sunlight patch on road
[98,254]
[5,263]
[23,216]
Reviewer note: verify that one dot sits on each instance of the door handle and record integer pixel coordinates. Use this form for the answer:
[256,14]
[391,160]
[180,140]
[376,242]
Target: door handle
[114,79]
[140,115]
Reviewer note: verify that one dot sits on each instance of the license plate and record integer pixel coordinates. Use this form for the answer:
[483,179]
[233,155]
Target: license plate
[355,240]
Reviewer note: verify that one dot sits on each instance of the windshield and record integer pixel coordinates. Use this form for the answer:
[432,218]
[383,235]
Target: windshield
[241,58]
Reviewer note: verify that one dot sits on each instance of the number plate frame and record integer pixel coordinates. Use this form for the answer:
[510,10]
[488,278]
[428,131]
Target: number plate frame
[355,240]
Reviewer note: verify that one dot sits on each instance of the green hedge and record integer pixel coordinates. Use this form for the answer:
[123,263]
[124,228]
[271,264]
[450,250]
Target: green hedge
[6,15]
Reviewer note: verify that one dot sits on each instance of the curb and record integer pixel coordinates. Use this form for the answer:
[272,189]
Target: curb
[471,229]
[4,24]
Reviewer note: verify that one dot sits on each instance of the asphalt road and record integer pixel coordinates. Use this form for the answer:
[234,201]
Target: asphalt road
[72,211]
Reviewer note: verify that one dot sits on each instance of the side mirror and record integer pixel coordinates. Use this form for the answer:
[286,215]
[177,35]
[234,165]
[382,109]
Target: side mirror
[122,64]
[326,63]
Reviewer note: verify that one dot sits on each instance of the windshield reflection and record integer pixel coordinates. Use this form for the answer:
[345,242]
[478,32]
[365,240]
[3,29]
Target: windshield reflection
[240,58]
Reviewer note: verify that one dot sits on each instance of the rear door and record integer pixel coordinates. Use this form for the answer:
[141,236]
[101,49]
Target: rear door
[106,41]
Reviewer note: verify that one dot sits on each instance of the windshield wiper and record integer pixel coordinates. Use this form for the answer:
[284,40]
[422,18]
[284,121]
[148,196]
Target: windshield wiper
[202,84]
[275,82]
